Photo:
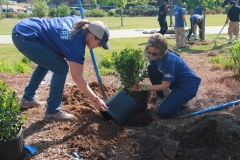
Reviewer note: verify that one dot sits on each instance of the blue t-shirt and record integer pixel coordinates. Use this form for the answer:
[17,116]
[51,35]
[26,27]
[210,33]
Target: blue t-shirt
[55,33]
[194,18]
[178,12]
[176,71]
[197,10]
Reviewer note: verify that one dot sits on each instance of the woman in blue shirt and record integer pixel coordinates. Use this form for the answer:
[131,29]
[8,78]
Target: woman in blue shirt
[168,70]
[56,44]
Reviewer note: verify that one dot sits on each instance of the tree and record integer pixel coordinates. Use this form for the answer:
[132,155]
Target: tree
[204,4]
[121,3]
[41,8]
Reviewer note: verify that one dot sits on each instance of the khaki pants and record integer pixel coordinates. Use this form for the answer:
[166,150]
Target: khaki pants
[233,28]
[180,36]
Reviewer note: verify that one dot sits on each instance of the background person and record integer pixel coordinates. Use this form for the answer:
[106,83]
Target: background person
[195,19]
[168,70]
[55,44]
[179,26]
[162,13]
[233,16]
[198,10]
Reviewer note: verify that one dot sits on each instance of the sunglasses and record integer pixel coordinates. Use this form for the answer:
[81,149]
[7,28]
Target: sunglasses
[152,53]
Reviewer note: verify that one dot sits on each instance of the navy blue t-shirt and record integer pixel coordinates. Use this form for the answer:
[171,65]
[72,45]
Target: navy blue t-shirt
[178,13]
[176,71]
[55,33]
[197,10]
[162,16]
[195,17]
[233,14]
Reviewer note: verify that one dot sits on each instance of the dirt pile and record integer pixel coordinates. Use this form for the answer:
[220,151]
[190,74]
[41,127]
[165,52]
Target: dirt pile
[213,135]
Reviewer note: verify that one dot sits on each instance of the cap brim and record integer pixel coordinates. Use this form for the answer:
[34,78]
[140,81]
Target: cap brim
[105,45]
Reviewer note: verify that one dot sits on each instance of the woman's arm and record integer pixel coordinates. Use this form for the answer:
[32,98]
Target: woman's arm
[159,87]
[76,70]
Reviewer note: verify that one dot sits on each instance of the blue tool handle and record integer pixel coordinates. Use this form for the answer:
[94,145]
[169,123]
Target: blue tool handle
[211,109]
[93,58]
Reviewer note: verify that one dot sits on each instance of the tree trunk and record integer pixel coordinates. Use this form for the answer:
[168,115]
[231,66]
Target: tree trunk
[171,14]
[203,29]
[121,16]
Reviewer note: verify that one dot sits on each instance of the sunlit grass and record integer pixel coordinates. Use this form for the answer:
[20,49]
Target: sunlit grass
[11,54]
[113,23]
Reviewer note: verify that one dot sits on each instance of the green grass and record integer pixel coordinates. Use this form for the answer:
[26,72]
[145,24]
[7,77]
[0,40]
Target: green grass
[9,52]
[113,23]
[12,56]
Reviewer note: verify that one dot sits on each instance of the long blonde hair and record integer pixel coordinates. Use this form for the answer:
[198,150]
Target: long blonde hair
[158,41]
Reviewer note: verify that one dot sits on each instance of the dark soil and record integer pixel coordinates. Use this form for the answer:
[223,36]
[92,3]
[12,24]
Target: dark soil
[213,135]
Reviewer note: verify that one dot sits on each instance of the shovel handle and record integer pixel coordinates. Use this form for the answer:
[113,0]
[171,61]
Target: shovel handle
[93,58]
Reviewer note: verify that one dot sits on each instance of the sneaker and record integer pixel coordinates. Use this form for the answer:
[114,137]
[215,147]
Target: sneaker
[28,104]
[230,42]
[58,116]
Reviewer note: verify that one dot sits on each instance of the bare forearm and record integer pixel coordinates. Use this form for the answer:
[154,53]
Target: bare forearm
[159,87]
[84,87]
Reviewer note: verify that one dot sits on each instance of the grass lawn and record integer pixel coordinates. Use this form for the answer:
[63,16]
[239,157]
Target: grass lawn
[113,23]
[9,52]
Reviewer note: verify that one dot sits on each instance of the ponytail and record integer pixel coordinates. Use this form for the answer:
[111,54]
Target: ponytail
[83,24]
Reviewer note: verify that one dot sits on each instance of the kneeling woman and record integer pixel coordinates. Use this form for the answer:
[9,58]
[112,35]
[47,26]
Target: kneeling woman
[168,70]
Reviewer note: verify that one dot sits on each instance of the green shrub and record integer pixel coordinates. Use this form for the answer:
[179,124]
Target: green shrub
[40,8]
[95,13]
[111,13]
[130,66]
[235,57]
[52,12]
[22,15]
[107,61]
[10,121]
[14,67]
[73,12]
[63,10]
[26,60]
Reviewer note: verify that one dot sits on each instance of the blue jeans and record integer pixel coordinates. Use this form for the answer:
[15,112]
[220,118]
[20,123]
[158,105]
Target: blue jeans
[175,100]
[46,59]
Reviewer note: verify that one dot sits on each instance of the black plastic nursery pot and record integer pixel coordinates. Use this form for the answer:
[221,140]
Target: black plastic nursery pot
[121,107]
[13,149]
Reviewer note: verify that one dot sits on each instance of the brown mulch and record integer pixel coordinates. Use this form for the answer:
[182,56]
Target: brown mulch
[213,135]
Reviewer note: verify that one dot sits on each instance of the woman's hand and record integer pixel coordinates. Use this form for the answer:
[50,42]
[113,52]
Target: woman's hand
[100,104]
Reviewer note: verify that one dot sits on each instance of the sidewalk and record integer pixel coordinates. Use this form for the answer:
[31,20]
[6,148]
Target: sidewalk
[126,33]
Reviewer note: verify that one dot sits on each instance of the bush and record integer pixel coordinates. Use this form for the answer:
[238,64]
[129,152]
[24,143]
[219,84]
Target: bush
[95,13]
[52,12]
[22,15]
[10,121]
[130,65]
[15,67]
[40,8]
[63,10]
[111,13]
[107,61]
[235,57]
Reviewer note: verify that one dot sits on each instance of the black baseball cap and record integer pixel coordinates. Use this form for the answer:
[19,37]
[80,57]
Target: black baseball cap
[166,1]
[232,2]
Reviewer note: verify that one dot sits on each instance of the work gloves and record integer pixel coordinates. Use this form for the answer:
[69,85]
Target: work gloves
[138,87]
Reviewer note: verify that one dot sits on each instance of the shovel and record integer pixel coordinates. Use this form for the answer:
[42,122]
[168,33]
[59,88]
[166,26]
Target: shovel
[121,106]
[214,40]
